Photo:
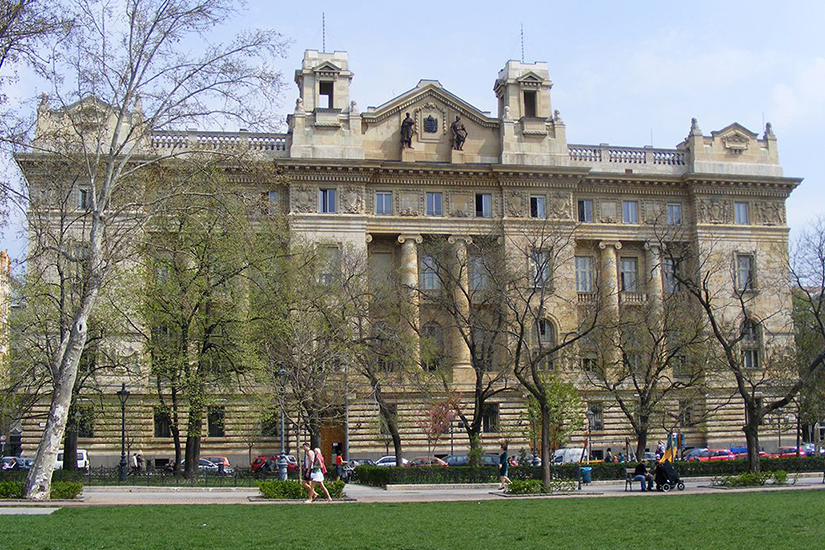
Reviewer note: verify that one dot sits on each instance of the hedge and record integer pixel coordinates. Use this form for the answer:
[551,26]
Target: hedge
[58,475]
[61,490]
[379,476]
[292,490]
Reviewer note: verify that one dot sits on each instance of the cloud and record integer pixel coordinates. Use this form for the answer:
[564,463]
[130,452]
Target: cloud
[802,101]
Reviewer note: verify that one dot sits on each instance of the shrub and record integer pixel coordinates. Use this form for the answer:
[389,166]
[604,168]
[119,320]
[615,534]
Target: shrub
[61,490]
[780,477]
[525,487]
[292,490]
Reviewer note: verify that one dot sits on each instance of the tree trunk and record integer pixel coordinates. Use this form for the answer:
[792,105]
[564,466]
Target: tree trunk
[175,428]
[752,439]
[641,440]
[314,431]
[389,421]
[193,442]
[546,457]
[70,443]
[39,478]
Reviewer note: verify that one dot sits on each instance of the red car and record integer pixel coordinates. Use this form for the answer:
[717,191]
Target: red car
[269,463]
[713,455]
[424,461]
[762,454]
[788,452]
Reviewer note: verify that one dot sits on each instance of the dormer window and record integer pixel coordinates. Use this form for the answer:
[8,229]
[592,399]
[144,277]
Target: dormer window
[530,104]
[325,95]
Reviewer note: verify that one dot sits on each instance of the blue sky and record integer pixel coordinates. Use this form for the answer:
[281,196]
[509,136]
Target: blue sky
[622,71]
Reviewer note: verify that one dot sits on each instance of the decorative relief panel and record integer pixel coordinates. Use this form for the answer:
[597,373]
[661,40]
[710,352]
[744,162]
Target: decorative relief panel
[430,121]
[516,202]
[653,211]
[770,212]
[461,205]
[304,199]
[714,211]
[351,200]
[608,211]
[410,203]
[559,207]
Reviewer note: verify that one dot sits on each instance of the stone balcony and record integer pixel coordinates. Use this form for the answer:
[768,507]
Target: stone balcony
[608,158]
[192,141]
[632,298]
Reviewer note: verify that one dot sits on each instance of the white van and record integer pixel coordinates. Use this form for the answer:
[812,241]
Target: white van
[82,460]
[567,455]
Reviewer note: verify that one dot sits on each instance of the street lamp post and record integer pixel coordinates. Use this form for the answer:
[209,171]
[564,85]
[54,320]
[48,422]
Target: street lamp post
[123,396]
[281,377]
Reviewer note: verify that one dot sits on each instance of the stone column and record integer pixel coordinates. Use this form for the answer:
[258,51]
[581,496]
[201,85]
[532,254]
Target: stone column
[460,351]
[609,279]
[409,279]
[653,261]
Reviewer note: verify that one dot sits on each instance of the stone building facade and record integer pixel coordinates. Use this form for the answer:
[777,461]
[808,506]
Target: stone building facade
[348,180]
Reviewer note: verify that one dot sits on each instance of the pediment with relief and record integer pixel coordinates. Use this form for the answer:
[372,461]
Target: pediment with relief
[735,137]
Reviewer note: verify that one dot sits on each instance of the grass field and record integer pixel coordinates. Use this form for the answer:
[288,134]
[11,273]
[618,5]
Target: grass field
[792,519]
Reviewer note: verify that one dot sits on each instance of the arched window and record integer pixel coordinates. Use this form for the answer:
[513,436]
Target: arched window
[750,344]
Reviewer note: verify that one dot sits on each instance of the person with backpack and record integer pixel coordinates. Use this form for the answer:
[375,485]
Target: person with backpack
[317,474]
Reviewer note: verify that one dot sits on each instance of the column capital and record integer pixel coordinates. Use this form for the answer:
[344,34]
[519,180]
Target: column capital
[415,237]
[653,247]
[454,239]
[615,244]
[368,238]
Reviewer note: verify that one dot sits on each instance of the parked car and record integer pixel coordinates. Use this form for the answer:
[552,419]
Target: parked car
[788,452]
[713,455]
[268,463]
[744,454]
[82,460]
[464,460]
[204,467]
[692,453]
[425,461]
[8,463]
[389,460]
[355,462]
[24,463]
[567,455]
[217,461]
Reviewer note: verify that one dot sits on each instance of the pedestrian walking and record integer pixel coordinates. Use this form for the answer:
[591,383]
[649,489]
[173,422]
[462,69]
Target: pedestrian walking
[503,466]
[317,476]
[339,465]
[306,473]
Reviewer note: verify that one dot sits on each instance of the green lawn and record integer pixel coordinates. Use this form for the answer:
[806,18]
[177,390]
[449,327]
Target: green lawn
[791,519]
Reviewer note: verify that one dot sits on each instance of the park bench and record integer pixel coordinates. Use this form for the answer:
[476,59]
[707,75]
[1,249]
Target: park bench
[629,474]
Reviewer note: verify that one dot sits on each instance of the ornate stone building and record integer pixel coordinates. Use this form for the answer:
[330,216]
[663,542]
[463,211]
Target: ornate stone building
[350,181]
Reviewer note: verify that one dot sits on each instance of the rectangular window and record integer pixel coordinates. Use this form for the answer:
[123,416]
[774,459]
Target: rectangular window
[686,413]
[740,211]
[540,268]
[163,423]
[383,203]
[537,207]
[429,274]
[584,273]
[272,203]
[85,421]
[84,199]
[588,364]
[434,204]
[530,104]
[479,274]
[744,272]
[325,95]
[750,358]
[597,412]
[330,258]
[271,423]
[630,278]
[674,213]
[484,205]
[586,210]
[630,212]
[215,417]
[669,269]
[490,418]
[326,201]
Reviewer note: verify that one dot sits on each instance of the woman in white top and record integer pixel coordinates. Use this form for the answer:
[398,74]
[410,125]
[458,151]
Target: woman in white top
[317,475]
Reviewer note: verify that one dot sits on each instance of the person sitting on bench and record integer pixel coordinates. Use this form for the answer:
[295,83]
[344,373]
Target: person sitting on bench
[641,474]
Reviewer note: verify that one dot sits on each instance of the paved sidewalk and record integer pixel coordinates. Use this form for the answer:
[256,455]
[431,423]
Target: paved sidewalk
[151,496]
[27,511]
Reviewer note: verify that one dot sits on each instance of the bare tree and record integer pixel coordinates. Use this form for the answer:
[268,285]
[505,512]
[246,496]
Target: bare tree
[119,76]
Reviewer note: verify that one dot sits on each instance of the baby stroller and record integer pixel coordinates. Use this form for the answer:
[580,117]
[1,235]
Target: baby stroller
[667,478]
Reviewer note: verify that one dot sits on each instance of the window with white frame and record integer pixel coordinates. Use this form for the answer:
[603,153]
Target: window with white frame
[540,268]
[584,273]
[741,214]
[597,411]
[434,202]
[84,199]
[330,266]
[484,205]
[674,213]
[326,201]
[537,207]
[429,274]
[745,276]
[630,212]
[586,210]
[588,363]
[630,275]
[750,344]
[383,203]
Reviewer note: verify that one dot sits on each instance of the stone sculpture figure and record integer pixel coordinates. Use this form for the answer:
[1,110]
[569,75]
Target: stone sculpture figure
[407,132]
[459,134]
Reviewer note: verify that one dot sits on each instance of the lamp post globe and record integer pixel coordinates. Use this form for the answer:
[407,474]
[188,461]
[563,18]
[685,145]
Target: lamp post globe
[123,396]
